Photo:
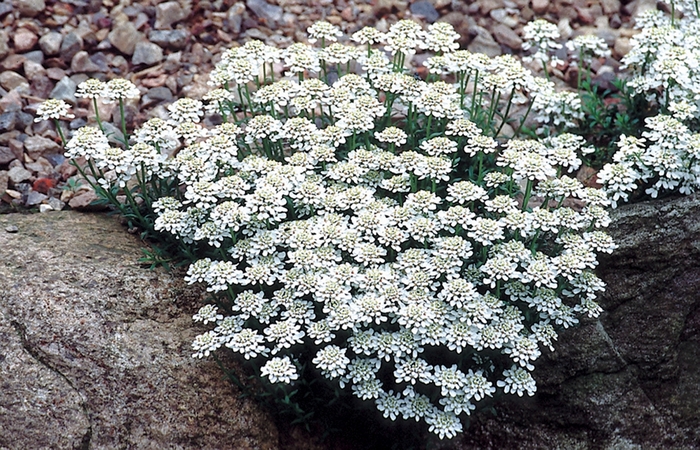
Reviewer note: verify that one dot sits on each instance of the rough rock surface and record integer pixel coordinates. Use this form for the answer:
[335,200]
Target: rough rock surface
[95,350]
[630,380]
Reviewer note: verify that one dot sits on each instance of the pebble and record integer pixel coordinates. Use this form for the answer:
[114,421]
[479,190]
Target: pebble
[24,40]
[50,43]
[7,123]
[234,16]
[174,39]
[507,37]
[169,13]
[30,8]
[125,37]
[5,9]
[37,146]
[83,200]
[4,47]
[56,204]
[11,229]
[34,198]
[147,53]
[43,208]
[483,42]
[72,43]
[157,95]
[271,14]
[6,155]
[11,80]
[11,101]
[33,70]
[540,6]
[36,56]
[65,90]
[426,10]
[610,6]
[18,174]
[81,63]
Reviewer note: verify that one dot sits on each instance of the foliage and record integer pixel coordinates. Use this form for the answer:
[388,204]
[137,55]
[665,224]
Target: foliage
[376,235]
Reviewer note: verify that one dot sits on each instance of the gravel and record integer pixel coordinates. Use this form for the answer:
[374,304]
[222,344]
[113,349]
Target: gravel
[167,48]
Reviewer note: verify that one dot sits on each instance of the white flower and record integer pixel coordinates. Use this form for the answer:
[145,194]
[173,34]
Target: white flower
[280,370]
[517,381]
[120,89]
[332,361]
[207,313]
[53,109]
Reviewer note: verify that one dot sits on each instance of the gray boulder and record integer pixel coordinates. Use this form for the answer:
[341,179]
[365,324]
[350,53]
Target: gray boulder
[630,380]
[95,350]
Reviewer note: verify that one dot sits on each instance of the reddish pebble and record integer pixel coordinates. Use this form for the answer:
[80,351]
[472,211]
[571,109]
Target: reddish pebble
[43,185]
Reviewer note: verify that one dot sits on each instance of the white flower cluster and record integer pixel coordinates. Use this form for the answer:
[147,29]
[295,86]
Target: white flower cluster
[666,158]
[370,225]
[664,62]
[665,65]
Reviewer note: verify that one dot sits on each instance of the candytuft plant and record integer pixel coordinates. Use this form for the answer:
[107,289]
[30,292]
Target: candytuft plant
[361,228]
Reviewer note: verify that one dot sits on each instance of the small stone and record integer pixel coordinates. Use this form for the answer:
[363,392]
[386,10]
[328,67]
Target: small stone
[33,70]
[157,95]
[30,8]
[169,13]
[65,90]
[488,5]
[622,47]
[81,63]
[507,36]
[8,121]
[11,80]
[34,198]
[56,204]
[540,6]
[234,16]
[43,208]
[18,174]
[175,39]
[24,40]
[37,146]
[11,101]
[426,10]
[6,155]
[5,9]
[147,53]
[4,47]
[42,168]
[83,201]
[125,37]
[13,194]
[50,43]
[499,15]
[71,45]
[11,229]
[54,73]
[610,6]
[484,43]
[265,11]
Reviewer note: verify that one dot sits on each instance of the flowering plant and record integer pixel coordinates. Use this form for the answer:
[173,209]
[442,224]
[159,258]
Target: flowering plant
[365,226]
[663,154]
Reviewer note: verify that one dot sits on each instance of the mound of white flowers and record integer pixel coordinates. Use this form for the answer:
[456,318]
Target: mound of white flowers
[664,64]
[372,224]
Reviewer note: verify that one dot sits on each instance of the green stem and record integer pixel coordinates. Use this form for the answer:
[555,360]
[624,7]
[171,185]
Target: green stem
[123,117]
[97,115]
[60,131]
[528,193]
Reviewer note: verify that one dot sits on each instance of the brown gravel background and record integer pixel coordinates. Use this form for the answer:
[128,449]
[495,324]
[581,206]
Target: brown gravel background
[167,49]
